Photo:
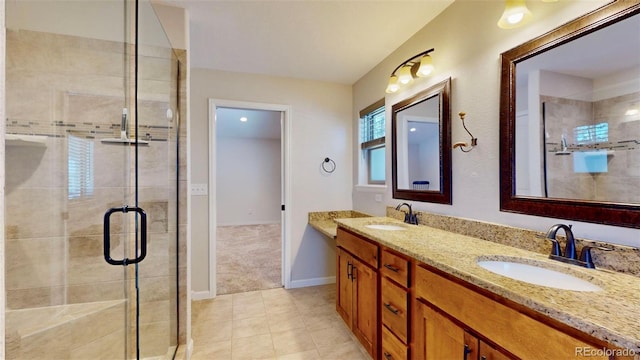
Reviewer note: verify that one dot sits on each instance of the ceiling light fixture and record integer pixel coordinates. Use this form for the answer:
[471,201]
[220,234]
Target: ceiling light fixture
[419,65]
[515,14]
[244,119]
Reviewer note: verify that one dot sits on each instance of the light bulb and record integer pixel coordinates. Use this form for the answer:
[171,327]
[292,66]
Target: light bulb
[393,85]
[426,66]
[515,18]
[515,14]
[404,75]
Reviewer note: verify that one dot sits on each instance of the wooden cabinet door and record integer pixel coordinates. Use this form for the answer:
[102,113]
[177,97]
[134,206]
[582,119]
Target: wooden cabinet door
[344,300]
[476,349]
[436,337]
[489,353]
[471,347]
[365,303]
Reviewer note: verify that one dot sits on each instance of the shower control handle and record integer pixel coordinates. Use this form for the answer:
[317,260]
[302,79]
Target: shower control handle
[143,236]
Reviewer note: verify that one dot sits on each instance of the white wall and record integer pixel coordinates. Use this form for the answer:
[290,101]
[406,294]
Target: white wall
[99,19]
[467,46]
[248,181]
[320,123]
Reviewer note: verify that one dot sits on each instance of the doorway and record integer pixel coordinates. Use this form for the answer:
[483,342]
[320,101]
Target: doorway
[247,198]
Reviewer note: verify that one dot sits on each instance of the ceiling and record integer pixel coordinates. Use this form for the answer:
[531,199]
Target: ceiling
[260,124]
[324,40]
[596,55]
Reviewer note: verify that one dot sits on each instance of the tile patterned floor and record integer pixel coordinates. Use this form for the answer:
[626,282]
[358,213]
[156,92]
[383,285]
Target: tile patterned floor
[273,324]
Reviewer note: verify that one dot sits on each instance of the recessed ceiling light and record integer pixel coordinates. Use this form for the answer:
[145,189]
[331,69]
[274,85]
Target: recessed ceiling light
[243,119]
[412,129]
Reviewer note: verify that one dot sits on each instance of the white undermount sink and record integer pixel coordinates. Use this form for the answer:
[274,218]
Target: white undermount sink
[538,275]
[391,227]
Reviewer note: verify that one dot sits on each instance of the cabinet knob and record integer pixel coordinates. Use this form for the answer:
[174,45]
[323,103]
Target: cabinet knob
[388,356]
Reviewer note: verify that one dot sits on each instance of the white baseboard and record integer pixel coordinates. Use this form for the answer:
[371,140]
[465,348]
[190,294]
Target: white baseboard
[202,295]
[312,282]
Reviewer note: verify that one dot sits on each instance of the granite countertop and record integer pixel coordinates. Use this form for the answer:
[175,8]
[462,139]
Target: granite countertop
[325,221]
[611,315]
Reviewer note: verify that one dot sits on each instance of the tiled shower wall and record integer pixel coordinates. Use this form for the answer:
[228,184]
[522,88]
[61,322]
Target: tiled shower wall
[61,86]
[623,162]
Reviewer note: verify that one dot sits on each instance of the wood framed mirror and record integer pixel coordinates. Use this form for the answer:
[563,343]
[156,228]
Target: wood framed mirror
[570,120]
[421,146]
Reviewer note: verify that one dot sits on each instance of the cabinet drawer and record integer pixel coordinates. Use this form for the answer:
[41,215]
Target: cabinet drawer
[394,308]
[392,348]
[395,267]
[361,248]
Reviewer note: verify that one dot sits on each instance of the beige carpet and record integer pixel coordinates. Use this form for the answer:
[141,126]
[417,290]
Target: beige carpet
[248,258]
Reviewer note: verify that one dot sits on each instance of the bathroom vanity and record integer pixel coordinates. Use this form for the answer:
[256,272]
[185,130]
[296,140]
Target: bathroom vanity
[416,292]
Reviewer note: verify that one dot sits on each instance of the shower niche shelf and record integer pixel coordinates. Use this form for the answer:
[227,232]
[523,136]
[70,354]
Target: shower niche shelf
[610,147]
[26,140]
[124,141]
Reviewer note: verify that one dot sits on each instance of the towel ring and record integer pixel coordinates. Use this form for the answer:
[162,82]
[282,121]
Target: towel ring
[328,165]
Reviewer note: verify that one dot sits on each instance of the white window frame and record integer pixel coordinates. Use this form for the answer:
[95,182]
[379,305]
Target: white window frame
[366,147]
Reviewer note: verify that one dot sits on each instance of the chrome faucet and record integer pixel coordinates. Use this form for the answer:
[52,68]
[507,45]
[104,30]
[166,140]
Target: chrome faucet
[570,249]
[410,217]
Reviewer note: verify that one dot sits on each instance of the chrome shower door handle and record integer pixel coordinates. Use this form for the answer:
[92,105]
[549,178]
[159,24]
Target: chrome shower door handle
[107,236]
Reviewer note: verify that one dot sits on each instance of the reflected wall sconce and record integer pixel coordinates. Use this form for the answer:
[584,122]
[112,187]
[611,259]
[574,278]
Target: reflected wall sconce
[515,14]
[462,145]
[420,65]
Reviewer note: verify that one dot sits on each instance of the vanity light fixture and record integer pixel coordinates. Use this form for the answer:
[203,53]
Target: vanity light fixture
[420,65]
[515,14]
[462,145]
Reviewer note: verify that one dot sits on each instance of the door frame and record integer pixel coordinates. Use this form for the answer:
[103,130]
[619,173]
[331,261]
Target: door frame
[285,163]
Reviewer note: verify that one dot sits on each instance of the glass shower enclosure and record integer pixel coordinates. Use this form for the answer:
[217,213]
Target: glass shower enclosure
[91,207]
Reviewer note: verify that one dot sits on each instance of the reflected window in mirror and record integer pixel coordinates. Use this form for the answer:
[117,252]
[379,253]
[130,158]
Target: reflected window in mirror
[372,143]
[421,151]
[570,120]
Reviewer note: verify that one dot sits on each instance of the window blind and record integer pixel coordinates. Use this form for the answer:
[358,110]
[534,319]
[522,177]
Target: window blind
[80,167]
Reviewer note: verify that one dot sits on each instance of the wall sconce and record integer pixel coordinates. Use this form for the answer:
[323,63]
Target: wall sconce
[515,14]
[420,65]
[463,145]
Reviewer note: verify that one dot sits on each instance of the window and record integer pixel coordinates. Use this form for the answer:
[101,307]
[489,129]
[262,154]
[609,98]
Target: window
[80,167]
[372,135]
[592,134]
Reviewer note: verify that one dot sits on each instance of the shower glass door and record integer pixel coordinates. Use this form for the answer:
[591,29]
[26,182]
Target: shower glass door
[157,131]
[91,94]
